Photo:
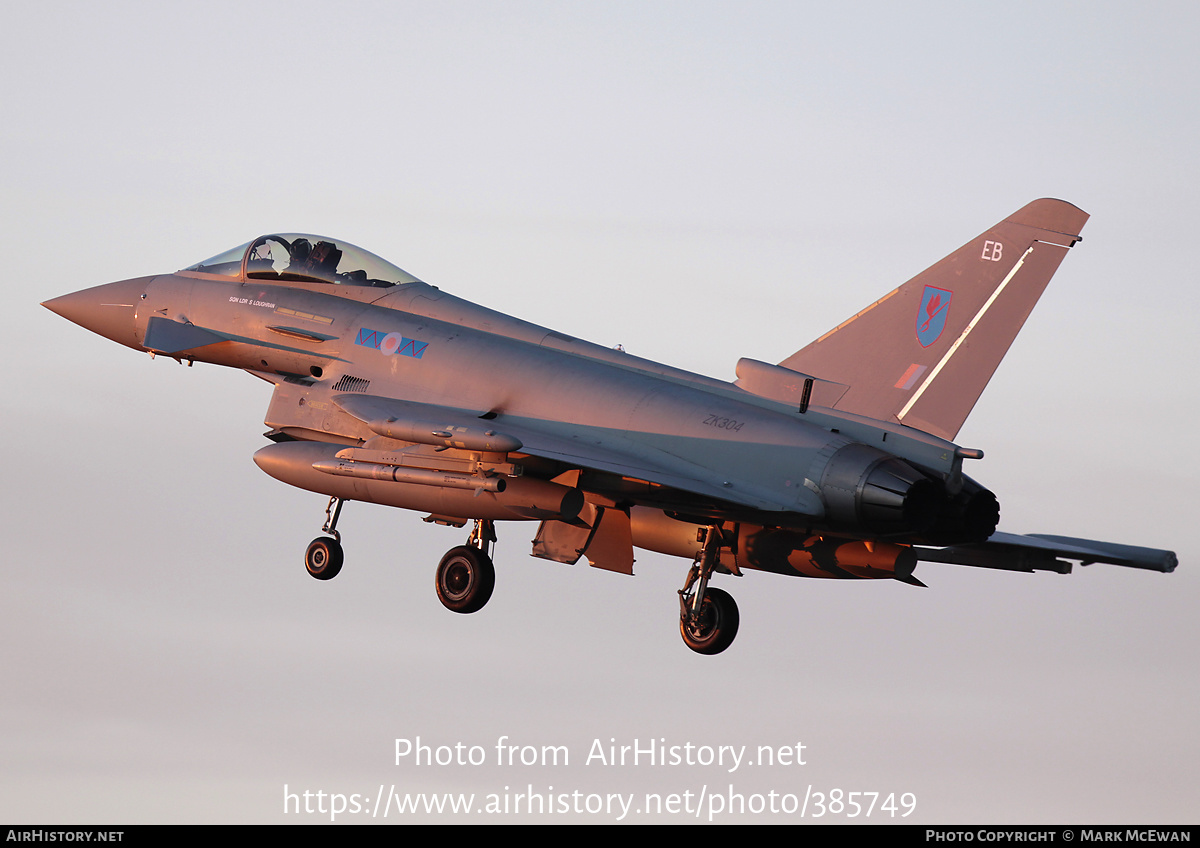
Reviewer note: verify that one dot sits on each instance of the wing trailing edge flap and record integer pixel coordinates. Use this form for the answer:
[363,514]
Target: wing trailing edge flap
[1038,552]
[604,451]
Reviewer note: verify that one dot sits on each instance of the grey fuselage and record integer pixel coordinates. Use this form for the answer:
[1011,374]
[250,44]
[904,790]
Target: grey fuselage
[670,448]
[388,390]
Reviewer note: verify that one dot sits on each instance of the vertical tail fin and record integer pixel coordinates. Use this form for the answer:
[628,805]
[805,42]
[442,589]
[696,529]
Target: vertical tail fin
[923,354]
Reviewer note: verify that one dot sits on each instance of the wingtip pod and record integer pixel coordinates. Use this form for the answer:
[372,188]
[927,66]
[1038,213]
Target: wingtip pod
[922,354]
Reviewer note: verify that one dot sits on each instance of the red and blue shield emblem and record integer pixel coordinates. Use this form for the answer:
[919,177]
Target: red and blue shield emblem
[931,317]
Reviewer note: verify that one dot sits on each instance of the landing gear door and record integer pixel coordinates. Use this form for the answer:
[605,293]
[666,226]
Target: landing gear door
[611,545]
[604,535]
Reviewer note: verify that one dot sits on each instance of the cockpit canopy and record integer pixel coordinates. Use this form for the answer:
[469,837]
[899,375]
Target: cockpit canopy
[301,258]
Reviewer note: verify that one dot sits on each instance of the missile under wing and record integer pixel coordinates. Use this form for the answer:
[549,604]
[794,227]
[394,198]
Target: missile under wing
[838,462]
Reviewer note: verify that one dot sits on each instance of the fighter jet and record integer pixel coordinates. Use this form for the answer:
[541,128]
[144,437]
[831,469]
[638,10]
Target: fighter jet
[838,462]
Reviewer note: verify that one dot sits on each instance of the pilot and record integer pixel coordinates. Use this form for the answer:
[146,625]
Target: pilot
[301,250]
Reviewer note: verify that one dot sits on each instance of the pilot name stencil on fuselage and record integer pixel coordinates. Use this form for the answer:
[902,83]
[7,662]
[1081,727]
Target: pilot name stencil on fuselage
[249,301]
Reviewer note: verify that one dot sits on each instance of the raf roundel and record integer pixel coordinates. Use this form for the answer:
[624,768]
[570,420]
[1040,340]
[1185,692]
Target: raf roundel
[391,343]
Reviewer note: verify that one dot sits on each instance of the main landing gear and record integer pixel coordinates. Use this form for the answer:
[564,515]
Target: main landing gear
[465,576]
[708,617]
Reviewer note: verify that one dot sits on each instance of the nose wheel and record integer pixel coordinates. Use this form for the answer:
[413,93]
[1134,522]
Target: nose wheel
[324,557]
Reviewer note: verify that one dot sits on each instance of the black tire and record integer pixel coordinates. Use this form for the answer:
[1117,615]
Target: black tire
[712,631]
[323,559]
[465,579]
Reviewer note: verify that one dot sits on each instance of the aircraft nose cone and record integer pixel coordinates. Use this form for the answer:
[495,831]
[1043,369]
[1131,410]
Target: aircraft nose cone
[107,310]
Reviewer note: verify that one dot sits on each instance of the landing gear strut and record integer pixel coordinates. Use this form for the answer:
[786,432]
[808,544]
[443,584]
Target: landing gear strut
[323,559]
[708,618]
[465,576]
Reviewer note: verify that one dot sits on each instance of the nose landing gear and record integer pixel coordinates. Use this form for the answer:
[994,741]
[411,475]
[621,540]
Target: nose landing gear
[324,557]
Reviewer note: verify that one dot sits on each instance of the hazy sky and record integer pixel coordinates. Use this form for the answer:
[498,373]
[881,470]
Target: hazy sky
[697,182]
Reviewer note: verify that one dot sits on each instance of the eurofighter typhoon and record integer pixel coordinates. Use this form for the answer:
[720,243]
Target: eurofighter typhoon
[838,462]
